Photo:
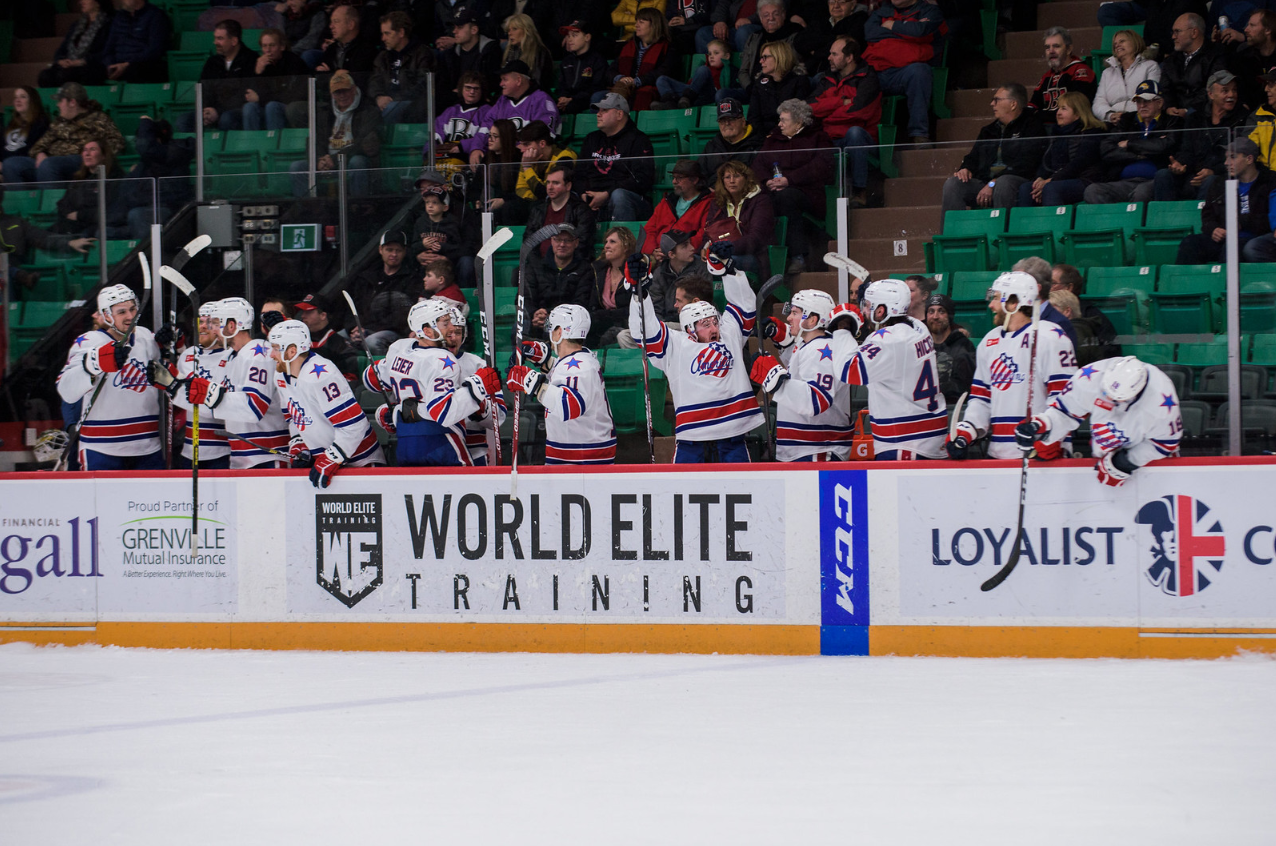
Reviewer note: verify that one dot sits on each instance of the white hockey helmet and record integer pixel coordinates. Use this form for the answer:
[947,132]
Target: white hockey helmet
[693,313]
[290,333]
[50,445]
[237,309]
[458,320]
[1022,286]
[113,295]
[1124,379]
[428,313]
[572,319]
[812,303]
[894,294]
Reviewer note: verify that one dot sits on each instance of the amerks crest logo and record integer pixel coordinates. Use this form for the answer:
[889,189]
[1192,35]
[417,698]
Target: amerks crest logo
[1187,544]
[1004,372]
[348,552]
[713,360]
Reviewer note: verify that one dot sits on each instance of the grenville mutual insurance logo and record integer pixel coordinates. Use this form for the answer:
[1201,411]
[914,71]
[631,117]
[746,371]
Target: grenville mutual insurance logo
[348,545]
[1187,544]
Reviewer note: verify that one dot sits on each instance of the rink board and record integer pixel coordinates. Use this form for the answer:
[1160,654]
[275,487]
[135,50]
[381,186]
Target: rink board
[872,559]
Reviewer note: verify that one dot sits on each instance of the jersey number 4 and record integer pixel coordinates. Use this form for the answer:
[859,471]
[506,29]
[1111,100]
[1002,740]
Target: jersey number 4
[926,388]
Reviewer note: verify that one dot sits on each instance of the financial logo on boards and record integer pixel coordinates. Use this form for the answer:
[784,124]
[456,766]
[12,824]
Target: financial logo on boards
[1187,544]
[348,549]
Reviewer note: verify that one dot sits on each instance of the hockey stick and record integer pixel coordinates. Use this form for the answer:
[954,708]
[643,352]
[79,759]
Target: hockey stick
[390,401]
[646,376]
[535,240]
[956,418]
[854,268]
[183,284]
[487,316]
[768,287]
[1002,574]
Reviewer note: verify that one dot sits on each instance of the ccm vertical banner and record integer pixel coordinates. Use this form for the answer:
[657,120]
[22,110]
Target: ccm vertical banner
[844,583]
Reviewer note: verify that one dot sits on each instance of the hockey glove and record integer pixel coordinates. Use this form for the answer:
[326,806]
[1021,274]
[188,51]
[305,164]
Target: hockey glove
[325,467]
[410,411]
[298,453]
[777,331]
[719,260]
[385,418]
[108,358]
[846,316]
[637,272]
[483,384]
[201,391]
[162,376]
[1028,432]
[527,380]
[271,319]
[768,372]
[537,352]
[1114,468]
[170,337]
[959,444]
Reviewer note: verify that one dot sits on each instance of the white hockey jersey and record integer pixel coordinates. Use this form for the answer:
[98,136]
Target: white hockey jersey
[321,408]
[905,407]
[999,393]
[209,364]
[124,419]
[712,394]
[1148,427]
[477,431]
[432,376]
[812,406]
[252,406]
[578,422]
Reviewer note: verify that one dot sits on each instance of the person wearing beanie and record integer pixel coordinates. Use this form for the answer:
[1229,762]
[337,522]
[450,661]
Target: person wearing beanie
[954,352]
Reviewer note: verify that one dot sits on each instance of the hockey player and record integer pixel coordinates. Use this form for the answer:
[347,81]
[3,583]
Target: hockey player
[578,422]
[1134,416]
[329,428]
[897,364]
[106,369]
[999,393]
[478,425]
[203,360]
[242,390]
[432,400]
[704,363]
[812,405]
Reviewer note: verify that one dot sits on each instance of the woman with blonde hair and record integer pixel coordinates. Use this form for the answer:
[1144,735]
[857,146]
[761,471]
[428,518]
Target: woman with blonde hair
[742,215]
[525,45]
[1072,161]
[781,78]
[608,297]
[1126,68]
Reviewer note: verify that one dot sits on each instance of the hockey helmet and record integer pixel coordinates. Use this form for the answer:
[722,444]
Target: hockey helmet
[1022,286]
[290,333]
[429,313]
[572,319]
[113,295]
[459,322]
[1124,379]
[812,303]
[50,445]
[237,309]
[891,293]
[693,313]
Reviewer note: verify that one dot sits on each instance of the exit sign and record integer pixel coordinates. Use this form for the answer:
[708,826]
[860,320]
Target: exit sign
[299,237]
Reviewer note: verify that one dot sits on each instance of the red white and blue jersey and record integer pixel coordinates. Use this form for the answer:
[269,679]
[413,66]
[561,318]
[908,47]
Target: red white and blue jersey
[712,394]
[124,419]
[433,377]
[999,393]
[320,407]
[1147,427]
[197,361]
[812,406]
[477,431]
[578,422]
[905,407]
[252,406]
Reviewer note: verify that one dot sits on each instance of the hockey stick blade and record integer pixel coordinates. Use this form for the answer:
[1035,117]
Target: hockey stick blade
[173,275]
[192,248]
[144,260]
[851,266]
[956,418]
[498,239]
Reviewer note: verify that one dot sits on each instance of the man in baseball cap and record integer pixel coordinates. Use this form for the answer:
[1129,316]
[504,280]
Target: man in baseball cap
[314,310]
[617,170]
[735,139]
[520,101]
[583,70]
[686,207]
[469,50]
[1200,153]
[1141,146]
[1258,198]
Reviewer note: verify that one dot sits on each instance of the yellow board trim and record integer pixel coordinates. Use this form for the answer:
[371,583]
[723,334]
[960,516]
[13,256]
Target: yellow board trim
[1064,642]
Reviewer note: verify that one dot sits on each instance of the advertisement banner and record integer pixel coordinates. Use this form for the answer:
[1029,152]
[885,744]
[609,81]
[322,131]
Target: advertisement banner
[605,548]
[49,560]
[844,584]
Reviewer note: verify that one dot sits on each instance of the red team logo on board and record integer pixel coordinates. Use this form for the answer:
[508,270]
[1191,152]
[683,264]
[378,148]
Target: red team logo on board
[1187,544]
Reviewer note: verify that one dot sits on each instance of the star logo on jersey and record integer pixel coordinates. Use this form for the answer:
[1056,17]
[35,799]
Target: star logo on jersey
[573,364]
[714,360]
[1108,436]
[259,350]
[1087,372]
[348,552]
[319,368]
[1058,330]
[447,363]
[1167,402]
[1188,545]
[826,353]
[1004,372]
[81,340]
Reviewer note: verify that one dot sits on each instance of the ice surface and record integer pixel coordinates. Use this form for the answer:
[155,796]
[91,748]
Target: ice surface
[103,746]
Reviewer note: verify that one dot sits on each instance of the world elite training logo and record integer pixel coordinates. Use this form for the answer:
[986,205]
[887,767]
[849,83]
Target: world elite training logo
[349,563]
[1187,544]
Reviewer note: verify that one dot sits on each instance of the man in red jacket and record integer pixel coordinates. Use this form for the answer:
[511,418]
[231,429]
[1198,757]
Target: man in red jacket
[905,39]
[848,100]
[1065,73]
[684,208]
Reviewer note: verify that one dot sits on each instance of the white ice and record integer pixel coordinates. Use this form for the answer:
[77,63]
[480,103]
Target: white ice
[105,746]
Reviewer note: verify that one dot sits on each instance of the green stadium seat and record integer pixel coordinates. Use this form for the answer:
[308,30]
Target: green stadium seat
[53,280]
[404,145]
[1032,231]
[882,156]
[1204,354]
[1213,383]
[196,41]
[669,130]
[1150,353]
[1188,298]
[107,95]
[1103,281]
[186,65]
[1100,234]
[183,93]
[966,243]
[1124,295]
[1263,350]
[22,203]
[1258,307]
[706,128]
[586,122]
[47,213]
[566,124]
[972,286]
[1168,223]
[623,374]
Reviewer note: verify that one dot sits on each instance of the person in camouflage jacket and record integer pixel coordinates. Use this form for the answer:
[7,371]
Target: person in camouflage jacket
[56,156]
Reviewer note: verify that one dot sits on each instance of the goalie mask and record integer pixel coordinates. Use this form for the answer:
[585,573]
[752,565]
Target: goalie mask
[892,294]
[290,333]
[50,445]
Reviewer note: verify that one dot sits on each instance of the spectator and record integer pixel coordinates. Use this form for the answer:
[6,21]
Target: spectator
[608,295]
[1006,155]
[1159,14]
[774,26]
[731,21]
[502,166]
[520,101]
[78,207]
[273,304]
[438,279]
[280,80]
[460,121]
[471,52]
[1071,162]
[685,19]
[223,76]
[1263,121]
[352,126]
[162,158]
[525,46]
[1255,56]
[643,59]
[920,289]
[780,79]
[79,56]
[1095,332]
[846,19]
[625,16]
[447,13]
[1256,213]
[616,170]
[561,277]
[56,156]
[1039,269]
[562,206]
[794,165]
[583,71]
[395,274]
[304,26]
[848,102]
[438,234]
[346,51]
[137,46]
[705,81]
[538,152]
[27,125]
[903,43]
[1126,68]
[954,352]
[1066,72]
[398,83]
[680,260]
[1185,72]
[1132,158]
[683,209]
[742,215]
[314,311]
[1204,143]
[735,141]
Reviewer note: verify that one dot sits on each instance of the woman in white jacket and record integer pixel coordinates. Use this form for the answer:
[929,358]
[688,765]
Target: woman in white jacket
[1126,68]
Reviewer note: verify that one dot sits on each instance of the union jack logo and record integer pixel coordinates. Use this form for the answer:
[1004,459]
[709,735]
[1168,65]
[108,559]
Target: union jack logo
[1187,544]
[713,360]
[1004,372]
[1108,436]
